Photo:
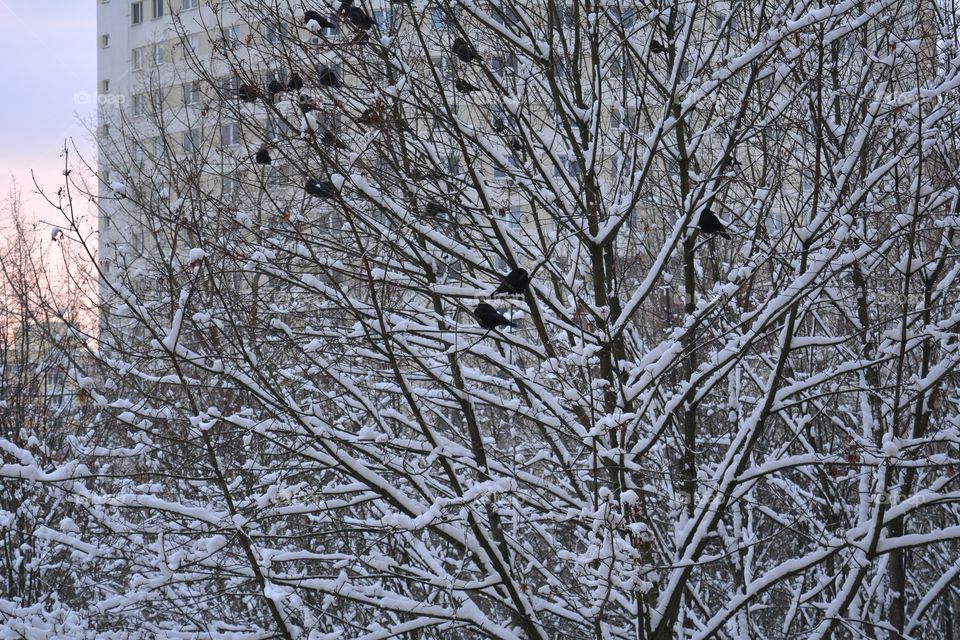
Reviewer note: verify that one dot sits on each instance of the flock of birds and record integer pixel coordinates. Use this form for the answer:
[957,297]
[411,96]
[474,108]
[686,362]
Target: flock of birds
[518,280]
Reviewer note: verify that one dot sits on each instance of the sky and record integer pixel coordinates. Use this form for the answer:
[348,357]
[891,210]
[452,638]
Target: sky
[48,61]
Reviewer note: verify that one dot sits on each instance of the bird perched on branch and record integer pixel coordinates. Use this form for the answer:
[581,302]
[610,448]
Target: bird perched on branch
[248,93]
[263,156]
[295,82]
[657,47]
[329,138]
[275,87]
[465,51]
[328,78]
[516,281]
[489,318]
[359,18]
[464,87]
[434,208]
[320,19]
[373,116]
[319,189]
[710,224]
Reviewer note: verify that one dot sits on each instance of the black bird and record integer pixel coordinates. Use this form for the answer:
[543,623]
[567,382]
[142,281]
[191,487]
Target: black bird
[248,93]
[359,18]
[489,318]
[516,281]
[464,87]
[323,189]
[328,78]
[710,224]
[295,83]
[465,51]
[319,18]
[262,157]
[435,209]
[330,138]
[516,144]
[275,87]
[657,47]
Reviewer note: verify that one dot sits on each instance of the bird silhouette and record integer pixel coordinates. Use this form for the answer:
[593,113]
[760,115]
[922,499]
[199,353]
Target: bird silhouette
[320,19]
[710,224]
[657,47]
[516,281]
[372,117]
[359,18]
[263,157]
[489,318]
[328,78]
[248,93]
[465,51]
[330,138]
[435,209]
[323,189]
[275,87]
[464,87]
[295,83]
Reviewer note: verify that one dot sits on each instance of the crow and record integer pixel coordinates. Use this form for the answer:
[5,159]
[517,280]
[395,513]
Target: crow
[295,83]
[359,18]
[657,47]
[465,51]
[710,224]
[263,157]
[516,281]
[330,138]
[489,318]
[275,87]
[372,117]
[464,87]
[248,93]
[435,209]
[319,19]
[323,189]
[328,78]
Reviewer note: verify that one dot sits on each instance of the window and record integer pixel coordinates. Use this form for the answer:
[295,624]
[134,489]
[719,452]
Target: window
[191,140]
[384,19]
[278,129]
[191,44]
[438,18]
[138,153]
[504,64]
[105,86]
[186,5]
[136,12]
[191,92]
[136,59]
[157,9]
[157,55]
[230,134]
[136,105]
[229,38]
[514,218]
[105,41]
[159,150]
[277,33]
[505,14]
[229,186]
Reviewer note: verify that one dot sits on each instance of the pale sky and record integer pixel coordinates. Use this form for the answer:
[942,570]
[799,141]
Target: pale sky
[48,63]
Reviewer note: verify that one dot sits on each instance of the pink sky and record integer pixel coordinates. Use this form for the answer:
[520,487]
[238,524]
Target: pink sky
[48,58]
